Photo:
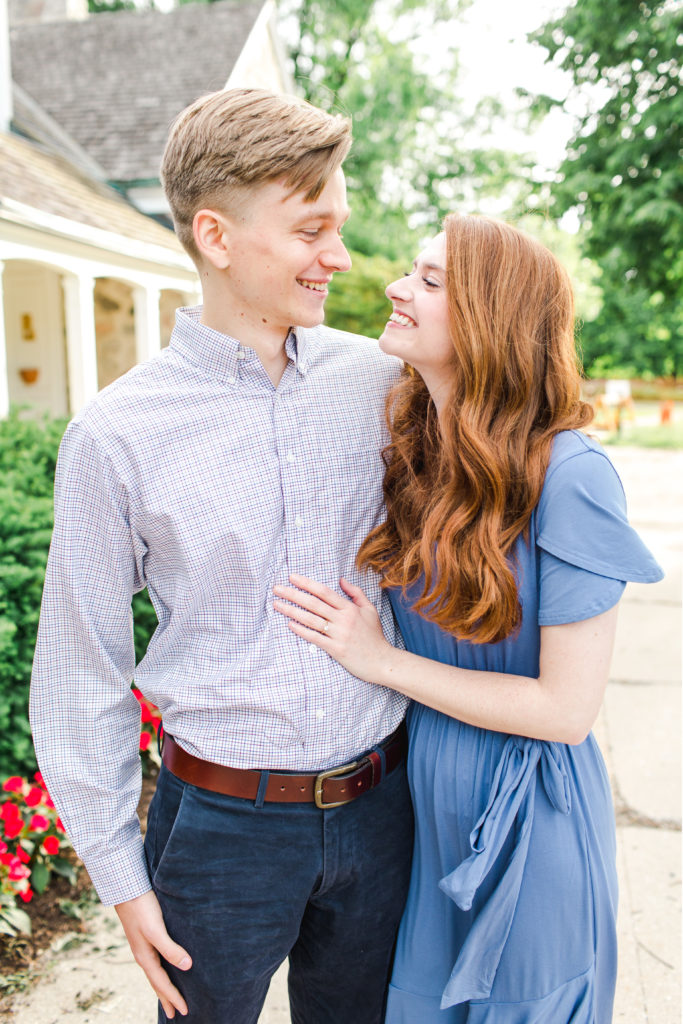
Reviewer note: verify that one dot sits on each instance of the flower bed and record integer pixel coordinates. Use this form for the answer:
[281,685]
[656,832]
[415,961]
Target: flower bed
[33,843]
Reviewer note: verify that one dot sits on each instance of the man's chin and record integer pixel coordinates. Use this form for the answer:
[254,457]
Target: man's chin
[312,319]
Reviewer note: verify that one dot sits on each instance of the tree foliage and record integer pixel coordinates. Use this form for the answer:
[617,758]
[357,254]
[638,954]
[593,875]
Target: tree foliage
[418,151]
[104,6]
[623,173]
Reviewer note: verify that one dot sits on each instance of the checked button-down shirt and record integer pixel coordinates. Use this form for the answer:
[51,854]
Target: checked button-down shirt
[195,477]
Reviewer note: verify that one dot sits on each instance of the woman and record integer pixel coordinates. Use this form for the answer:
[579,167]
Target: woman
[505,549]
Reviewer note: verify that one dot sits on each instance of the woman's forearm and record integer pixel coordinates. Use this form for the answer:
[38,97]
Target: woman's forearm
[561,704]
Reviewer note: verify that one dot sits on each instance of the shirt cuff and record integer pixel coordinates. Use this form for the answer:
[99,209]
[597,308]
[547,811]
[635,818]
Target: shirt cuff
[121,876]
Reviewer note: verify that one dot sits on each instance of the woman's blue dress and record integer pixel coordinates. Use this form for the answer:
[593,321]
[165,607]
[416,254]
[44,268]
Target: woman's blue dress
[512,906]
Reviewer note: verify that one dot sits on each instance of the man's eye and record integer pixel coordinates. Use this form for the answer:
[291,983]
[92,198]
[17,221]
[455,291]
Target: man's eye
[311,232]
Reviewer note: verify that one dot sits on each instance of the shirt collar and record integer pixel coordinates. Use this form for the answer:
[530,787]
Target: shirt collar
[220,354]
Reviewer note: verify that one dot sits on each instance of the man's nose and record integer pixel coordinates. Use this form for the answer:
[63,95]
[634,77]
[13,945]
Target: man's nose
[336,257]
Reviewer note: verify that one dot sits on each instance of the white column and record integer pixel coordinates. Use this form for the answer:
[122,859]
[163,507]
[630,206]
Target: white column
[4,384]
[81,345]
[147,322]
[5,74]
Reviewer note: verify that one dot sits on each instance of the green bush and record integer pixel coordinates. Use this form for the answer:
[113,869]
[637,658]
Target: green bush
[357,302]
[28,454]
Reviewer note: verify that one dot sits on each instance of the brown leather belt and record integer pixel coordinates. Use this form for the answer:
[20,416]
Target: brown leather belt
[327,789]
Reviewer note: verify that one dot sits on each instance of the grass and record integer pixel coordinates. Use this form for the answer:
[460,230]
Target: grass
[669,436]
[641,427]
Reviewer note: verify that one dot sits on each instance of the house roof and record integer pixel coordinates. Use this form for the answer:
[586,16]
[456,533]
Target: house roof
[115,82]
[37,179]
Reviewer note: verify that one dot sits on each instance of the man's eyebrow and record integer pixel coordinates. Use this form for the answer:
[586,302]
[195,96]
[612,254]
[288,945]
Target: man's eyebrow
[324,215]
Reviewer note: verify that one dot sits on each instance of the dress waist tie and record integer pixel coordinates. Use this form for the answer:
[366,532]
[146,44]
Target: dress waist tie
[510,806]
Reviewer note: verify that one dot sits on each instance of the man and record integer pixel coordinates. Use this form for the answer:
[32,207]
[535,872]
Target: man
[247,450]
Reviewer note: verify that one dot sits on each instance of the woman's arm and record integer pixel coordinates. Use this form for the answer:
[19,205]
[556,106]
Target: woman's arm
[560,705]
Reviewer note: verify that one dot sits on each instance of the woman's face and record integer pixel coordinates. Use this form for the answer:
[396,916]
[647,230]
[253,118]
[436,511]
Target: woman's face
[418,330]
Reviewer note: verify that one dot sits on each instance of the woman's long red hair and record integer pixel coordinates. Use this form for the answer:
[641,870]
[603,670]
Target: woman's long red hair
[459,491]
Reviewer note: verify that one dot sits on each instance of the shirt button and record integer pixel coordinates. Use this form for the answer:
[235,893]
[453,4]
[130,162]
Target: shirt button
[298,521]
[312,649]
[320,714]
[241,355]
[291,457]
[231,380]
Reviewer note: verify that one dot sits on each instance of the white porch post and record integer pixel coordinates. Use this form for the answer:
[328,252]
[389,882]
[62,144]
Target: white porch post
[147,322]
[81,345]
[4,384]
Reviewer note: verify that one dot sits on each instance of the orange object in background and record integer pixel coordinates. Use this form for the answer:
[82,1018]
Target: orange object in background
[666,412]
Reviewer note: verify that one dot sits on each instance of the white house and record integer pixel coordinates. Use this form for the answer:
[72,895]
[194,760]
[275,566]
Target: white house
[89,284]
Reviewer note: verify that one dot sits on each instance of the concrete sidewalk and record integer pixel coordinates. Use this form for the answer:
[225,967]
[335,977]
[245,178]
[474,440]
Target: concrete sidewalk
[639,730]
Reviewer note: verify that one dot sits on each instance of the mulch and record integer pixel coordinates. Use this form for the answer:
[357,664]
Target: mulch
[49,921]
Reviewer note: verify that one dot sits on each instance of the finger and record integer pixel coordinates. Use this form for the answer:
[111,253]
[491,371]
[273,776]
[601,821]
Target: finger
[166,992]
[359,596]
[317,589]
[320,640]
[301,599]
[309,619]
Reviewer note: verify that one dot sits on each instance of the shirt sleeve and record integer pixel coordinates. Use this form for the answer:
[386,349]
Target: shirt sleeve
[588,549]
[85,719]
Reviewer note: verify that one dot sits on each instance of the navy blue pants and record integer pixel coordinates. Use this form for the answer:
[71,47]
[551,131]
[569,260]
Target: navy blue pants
[242,888]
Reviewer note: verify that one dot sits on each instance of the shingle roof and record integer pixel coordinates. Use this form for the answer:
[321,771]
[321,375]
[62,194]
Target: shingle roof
[52,185]
[115,81]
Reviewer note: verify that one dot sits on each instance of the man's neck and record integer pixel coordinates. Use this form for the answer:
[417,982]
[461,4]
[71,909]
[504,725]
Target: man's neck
[268,344]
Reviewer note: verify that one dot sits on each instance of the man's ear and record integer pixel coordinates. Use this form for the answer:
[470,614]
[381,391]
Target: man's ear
[210,229]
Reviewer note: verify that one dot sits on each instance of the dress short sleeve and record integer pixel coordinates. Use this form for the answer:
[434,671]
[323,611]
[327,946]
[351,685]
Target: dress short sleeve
[588,550]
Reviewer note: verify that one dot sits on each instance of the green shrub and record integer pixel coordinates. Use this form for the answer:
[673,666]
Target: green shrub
[28,455]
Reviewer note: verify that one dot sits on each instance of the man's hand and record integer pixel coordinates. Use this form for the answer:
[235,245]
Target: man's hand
[147,936]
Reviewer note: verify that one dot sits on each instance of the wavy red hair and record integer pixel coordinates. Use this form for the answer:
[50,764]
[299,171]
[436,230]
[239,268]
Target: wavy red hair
[460,490]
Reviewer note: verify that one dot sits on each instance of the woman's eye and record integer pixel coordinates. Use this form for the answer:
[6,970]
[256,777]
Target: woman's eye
[430,283]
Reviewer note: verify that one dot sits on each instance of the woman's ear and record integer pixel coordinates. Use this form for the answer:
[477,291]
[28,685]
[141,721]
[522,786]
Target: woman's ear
[210,231]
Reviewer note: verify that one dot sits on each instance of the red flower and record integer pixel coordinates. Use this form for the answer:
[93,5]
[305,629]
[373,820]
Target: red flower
[17,871]
[13,828]
[38,823]
[13,785]
[26,895]
[23,856]
[59,825]
[51,845]
[3,848]
[9,811]
[34,797]
[40,780]
[145,740]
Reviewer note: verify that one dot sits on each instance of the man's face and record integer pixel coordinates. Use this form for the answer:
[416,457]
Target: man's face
[283,252]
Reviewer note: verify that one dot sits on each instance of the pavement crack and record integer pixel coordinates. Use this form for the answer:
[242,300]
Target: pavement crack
[654,955]
[626,815]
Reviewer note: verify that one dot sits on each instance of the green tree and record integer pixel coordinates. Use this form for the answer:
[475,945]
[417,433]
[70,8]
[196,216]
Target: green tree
[418,152]
[623,173]
[104,6]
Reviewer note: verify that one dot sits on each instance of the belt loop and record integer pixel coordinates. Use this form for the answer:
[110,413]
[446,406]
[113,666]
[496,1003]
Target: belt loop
[160,739]
[261,791]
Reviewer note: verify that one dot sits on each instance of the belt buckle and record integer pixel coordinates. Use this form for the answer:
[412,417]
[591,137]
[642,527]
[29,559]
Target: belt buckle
[319,780]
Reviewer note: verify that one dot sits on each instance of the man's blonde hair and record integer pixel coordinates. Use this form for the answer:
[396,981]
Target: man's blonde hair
[227,142]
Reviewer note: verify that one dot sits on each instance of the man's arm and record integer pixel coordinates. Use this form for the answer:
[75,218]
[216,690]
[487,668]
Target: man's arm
[85,719]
